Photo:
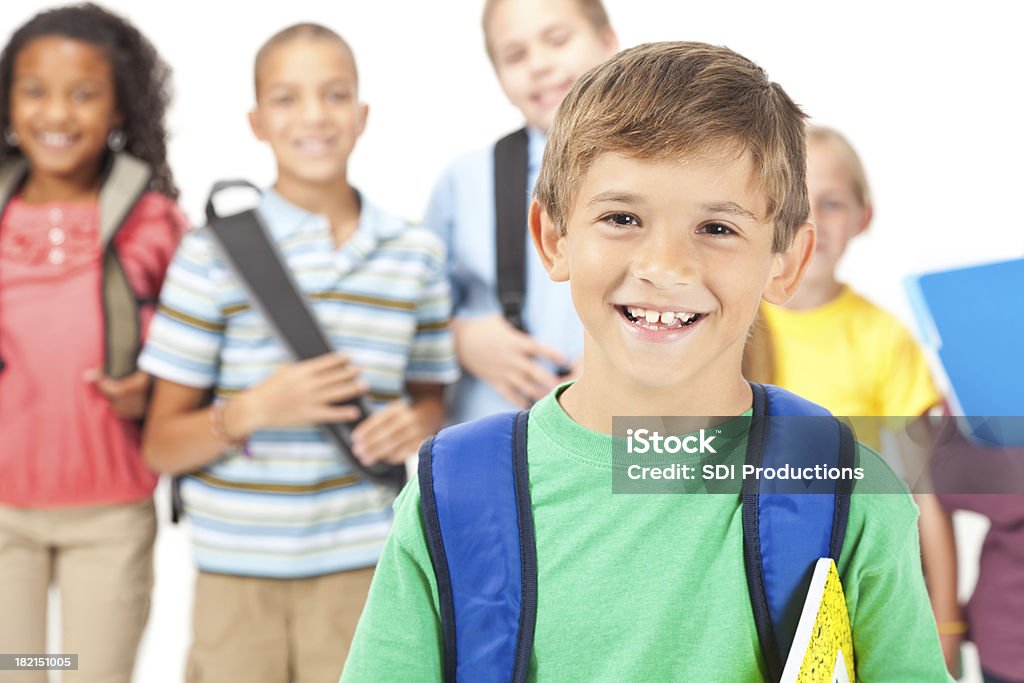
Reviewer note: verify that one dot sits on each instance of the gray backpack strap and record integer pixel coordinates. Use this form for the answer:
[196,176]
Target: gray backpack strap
[126,181]
[11,176]
[252,254]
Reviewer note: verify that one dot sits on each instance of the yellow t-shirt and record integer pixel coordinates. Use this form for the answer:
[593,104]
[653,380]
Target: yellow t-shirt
[851,357]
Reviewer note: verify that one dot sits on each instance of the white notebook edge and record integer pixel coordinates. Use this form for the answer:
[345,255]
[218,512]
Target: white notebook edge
[808,615]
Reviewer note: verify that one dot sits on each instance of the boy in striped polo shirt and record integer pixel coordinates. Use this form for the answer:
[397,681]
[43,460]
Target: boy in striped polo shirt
[267,495]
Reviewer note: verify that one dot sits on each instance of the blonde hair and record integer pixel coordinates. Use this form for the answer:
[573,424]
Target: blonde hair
[305,31]
[861,190]
[593,11]
[664,101]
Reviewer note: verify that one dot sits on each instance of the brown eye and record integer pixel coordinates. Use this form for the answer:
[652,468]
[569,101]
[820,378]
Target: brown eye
[560,38]
[717,230]
[621,220]
[31,91]
[514,56]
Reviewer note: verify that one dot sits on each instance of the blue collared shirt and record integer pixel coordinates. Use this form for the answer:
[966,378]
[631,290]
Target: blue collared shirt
[461,211]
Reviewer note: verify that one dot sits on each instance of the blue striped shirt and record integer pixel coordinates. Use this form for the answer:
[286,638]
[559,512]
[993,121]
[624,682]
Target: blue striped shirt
[294,509]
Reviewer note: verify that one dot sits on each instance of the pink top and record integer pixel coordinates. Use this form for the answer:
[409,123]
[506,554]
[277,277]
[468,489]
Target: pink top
[60,442]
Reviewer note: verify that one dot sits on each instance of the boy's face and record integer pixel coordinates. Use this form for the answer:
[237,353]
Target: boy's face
[667,262]
[308,110]
[540,48]
[62,106]
[835,209]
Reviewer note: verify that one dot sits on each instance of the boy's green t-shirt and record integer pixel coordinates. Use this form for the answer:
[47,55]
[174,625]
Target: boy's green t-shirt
[649,587]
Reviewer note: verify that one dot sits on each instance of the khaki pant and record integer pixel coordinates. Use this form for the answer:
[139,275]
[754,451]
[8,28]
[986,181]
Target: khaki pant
[256,630]
[101,559]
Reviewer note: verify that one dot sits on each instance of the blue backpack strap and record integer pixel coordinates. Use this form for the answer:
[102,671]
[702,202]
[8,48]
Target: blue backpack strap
[786,530]
[475,496]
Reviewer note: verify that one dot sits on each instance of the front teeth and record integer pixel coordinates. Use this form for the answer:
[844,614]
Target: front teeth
[663,317]
[55,139]
[313,145]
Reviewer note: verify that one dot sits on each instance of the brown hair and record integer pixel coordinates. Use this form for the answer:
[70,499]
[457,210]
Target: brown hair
[861,190]
[662,101]
[306,31]
[593,11]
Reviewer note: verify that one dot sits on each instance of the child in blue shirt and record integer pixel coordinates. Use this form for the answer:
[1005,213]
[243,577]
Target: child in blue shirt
[538,49]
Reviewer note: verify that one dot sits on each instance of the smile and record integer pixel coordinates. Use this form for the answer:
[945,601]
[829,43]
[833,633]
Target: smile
[315,146]
[551,96]
[56,140]
[650,320]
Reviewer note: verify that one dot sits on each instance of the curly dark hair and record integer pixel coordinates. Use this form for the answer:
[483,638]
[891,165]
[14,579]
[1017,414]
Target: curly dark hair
[141,78]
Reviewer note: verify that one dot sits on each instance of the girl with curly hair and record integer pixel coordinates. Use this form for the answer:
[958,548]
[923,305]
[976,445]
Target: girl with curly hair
[88,224]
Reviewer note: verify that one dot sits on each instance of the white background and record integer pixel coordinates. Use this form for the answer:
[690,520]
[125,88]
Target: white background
[929,93]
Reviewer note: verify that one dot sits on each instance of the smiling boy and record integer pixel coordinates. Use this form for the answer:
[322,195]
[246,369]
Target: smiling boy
[285,533]
[672,199]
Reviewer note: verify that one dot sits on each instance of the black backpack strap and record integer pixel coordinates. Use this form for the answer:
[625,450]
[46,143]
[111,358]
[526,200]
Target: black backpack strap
[752,539]
[511,167]
[844,490]
[253,255]
[177,505]
[528,550]
[478,523]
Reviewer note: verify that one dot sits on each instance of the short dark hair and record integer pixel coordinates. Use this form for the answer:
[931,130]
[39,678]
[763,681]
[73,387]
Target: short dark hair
[304,31]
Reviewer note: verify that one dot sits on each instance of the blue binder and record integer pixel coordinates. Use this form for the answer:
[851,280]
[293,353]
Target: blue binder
[974,319]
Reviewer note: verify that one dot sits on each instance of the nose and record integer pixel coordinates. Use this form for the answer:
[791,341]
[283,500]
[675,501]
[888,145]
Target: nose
[540,60]
[313,109]
[665,260]
[55,108]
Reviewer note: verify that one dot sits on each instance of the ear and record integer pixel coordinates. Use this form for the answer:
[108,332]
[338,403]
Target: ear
[610,40]
[256,123]
[364,111]
[789,266]
[549,242]
[868,212]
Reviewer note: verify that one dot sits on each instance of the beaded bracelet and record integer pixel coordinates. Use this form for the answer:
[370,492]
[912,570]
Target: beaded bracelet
[221,433]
